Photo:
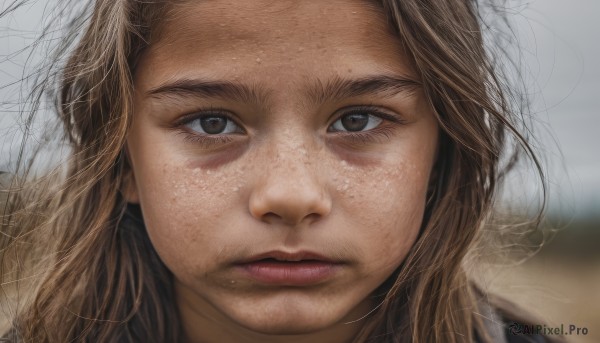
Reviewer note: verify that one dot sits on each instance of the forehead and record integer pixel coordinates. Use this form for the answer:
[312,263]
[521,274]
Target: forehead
[280,37]
[286,16]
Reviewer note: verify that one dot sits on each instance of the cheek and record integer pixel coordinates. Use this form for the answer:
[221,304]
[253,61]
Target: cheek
[386,206]
[183,209]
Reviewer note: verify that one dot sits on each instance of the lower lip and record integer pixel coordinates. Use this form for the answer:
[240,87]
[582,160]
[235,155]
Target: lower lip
[302,273]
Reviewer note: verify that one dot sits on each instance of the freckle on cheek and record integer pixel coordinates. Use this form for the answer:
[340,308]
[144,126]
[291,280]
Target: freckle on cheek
[213,186]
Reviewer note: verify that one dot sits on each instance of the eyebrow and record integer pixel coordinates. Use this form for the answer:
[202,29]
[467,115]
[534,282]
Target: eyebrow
[341,88]
[211,89]
[320,92]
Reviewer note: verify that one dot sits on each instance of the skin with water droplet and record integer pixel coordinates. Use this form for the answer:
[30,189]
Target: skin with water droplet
[368,202]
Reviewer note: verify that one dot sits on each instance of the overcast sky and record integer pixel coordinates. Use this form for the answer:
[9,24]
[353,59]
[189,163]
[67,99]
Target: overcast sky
[560,40]
[562,59]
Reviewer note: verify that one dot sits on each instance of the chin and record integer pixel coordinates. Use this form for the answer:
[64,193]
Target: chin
[286,318]
[293,326]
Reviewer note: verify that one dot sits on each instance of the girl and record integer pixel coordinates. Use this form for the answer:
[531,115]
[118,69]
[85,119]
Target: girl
[266,171]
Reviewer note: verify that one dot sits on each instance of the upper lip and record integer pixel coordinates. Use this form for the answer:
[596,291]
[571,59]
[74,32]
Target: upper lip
[288,256]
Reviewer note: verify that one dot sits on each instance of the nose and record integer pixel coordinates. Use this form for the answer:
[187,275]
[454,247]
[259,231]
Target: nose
[289,193]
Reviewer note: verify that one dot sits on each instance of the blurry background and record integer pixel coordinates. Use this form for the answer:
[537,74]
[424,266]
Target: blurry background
[561,70]
[561,59]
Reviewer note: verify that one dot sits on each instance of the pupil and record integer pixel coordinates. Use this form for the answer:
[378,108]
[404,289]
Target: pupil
[213,125]
[355,122]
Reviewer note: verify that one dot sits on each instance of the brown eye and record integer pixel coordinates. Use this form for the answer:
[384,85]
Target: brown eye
[355,122]
[213,125]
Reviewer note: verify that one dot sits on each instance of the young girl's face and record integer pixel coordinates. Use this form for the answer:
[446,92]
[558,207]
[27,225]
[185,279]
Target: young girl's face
[282,157]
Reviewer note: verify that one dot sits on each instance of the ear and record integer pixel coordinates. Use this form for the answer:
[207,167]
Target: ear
[129,188]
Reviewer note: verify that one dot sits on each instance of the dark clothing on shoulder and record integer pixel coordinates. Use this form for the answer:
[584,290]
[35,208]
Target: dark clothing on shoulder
[506,322]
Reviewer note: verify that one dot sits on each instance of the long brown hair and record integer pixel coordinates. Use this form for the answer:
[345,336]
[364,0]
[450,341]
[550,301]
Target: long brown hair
[96,276]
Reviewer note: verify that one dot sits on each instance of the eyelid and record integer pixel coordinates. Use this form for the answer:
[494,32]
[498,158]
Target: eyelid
[216,112]
[370,109]
[363,137]
[205,140]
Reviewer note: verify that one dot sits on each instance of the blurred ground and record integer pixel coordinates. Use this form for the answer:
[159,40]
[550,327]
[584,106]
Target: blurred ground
[560,284]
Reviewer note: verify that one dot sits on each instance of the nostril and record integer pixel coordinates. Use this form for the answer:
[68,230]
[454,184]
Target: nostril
[312,217]
[270,217]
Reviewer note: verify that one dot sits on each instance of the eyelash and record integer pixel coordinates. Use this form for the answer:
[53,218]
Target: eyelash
[206,141]
[378,134]
[375,135]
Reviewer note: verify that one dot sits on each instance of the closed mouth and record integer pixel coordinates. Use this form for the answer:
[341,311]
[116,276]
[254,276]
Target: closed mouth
[277,268]
[285,257]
